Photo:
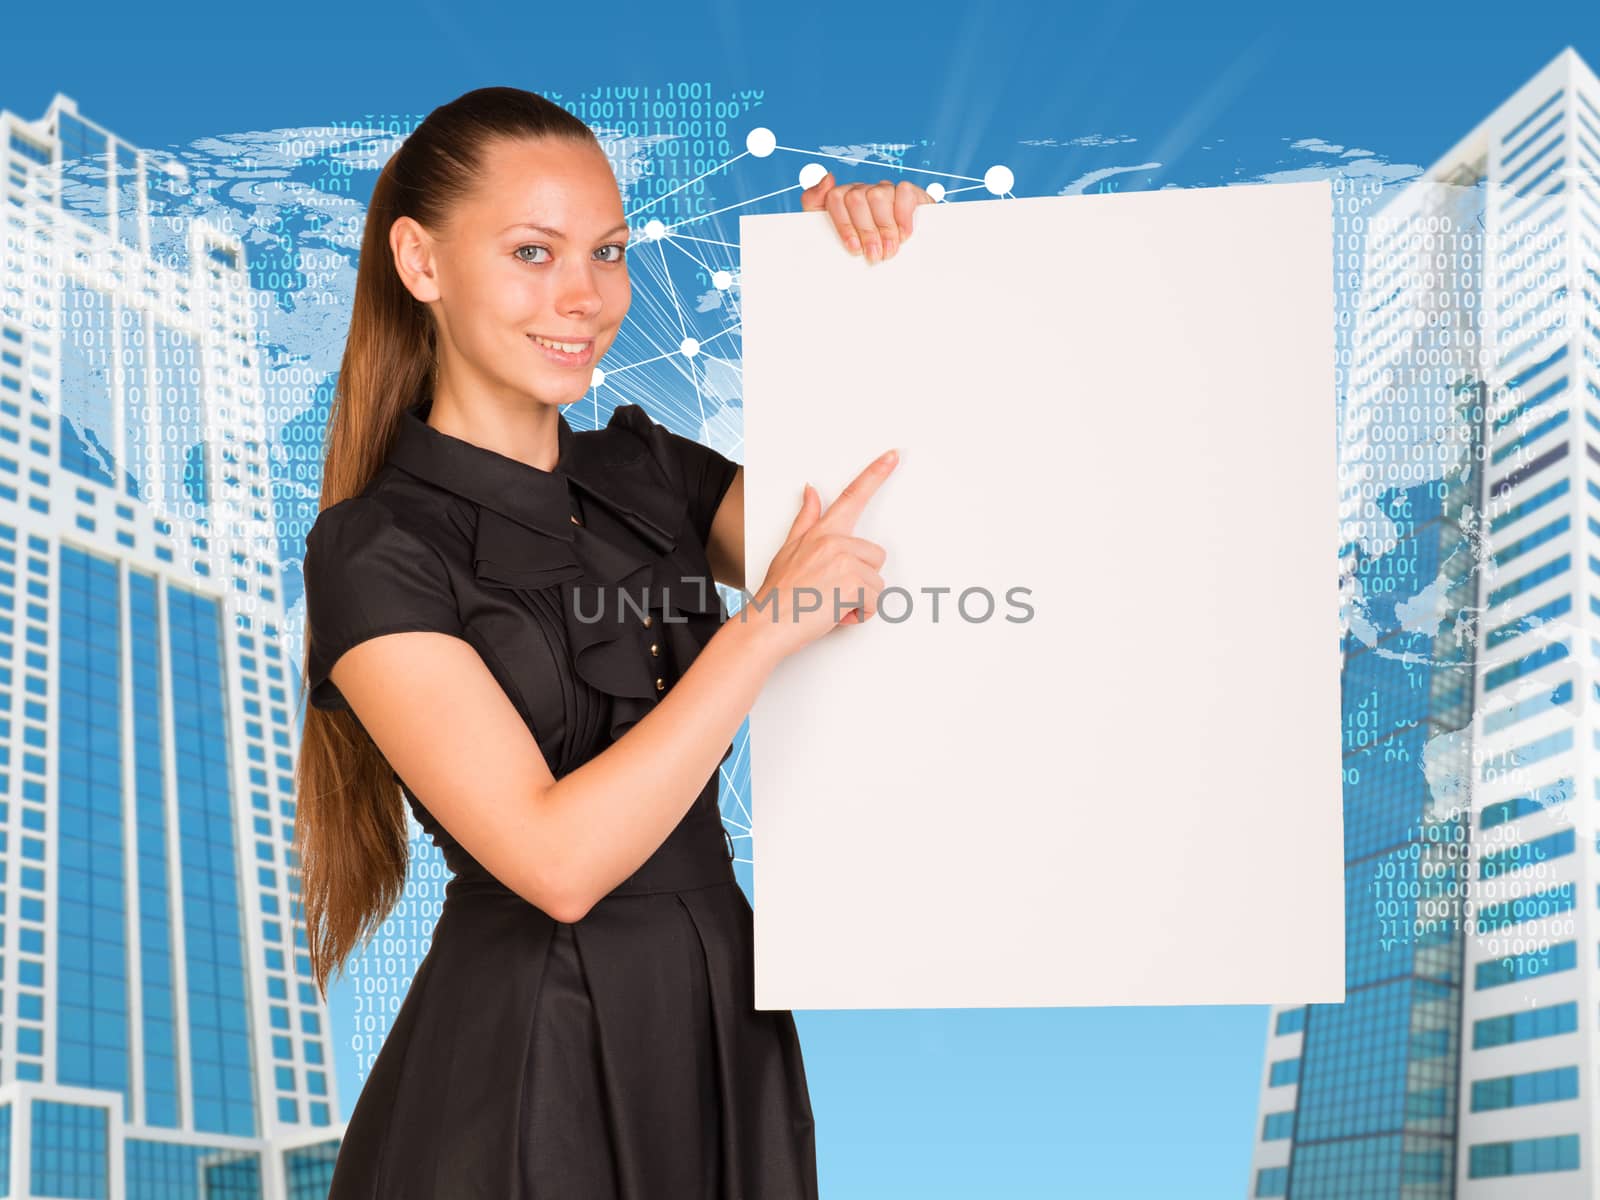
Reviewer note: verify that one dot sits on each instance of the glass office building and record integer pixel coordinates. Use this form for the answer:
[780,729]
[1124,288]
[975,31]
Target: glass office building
[1470,379]
[160,1034]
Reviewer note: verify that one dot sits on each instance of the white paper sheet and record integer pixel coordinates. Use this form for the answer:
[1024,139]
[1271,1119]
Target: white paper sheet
[1124,403]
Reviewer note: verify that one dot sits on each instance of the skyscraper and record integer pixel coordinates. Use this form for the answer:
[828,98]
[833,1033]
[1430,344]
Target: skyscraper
[1471,457]
[160,1033]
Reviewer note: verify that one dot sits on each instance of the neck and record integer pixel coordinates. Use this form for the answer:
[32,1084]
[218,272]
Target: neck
[512,426]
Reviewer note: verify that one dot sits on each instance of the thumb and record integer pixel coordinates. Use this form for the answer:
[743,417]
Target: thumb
[810,511]
[811,198]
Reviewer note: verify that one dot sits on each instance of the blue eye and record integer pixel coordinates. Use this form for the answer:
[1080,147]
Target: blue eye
[518,251]
[620,248]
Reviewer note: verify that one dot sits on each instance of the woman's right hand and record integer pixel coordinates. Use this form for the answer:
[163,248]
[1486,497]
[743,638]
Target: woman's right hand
[820,560]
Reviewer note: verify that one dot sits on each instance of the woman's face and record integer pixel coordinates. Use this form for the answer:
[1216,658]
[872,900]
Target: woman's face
[535,254]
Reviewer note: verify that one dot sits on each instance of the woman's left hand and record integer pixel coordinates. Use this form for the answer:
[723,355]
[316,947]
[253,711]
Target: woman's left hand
[872,218]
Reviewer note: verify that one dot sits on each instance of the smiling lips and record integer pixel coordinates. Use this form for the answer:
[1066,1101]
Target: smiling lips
[566,354]
[571,346]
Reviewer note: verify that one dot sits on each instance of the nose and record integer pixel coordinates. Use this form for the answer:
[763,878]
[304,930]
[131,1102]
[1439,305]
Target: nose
[578,295]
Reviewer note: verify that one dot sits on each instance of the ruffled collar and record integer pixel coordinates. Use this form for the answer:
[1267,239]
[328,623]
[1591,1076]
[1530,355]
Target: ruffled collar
[603,465]
[637,541]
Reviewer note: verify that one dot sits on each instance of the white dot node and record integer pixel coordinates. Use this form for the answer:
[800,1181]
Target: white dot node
[936,190]
[654,229]
[597,378]
[722,280]
[811,174]
[688,347]
[761,142]
[998,180]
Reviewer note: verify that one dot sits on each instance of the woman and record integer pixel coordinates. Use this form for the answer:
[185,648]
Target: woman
[516,623]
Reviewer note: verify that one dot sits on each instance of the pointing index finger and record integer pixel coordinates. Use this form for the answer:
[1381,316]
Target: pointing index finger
[850,502]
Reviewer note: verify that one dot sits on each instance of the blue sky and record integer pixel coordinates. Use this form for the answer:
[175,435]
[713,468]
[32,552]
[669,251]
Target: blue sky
[1006,1103]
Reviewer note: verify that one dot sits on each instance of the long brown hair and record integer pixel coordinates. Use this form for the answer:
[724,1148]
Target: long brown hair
[350,821]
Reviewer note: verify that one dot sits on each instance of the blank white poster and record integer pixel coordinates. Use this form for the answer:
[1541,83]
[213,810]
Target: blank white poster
[1088,752]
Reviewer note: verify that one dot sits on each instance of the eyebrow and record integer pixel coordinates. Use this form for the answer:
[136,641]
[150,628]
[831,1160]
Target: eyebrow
[556,233]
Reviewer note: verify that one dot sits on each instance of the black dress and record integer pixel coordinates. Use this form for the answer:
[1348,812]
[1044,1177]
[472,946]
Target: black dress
[620,1056]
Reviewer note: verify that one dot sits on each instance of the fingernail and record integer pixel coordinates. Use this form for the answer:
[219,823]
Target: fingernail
[889,248]
[889,456]
[855,244]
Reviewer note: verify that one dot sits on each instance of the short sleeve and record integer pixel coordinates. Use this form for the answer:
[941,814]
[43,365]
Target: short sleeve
[365,576]
[706,472]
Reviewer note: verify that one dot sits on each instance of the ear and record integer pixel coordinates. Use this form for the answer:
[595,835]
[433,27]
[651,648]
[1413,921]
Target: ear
[414,258]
